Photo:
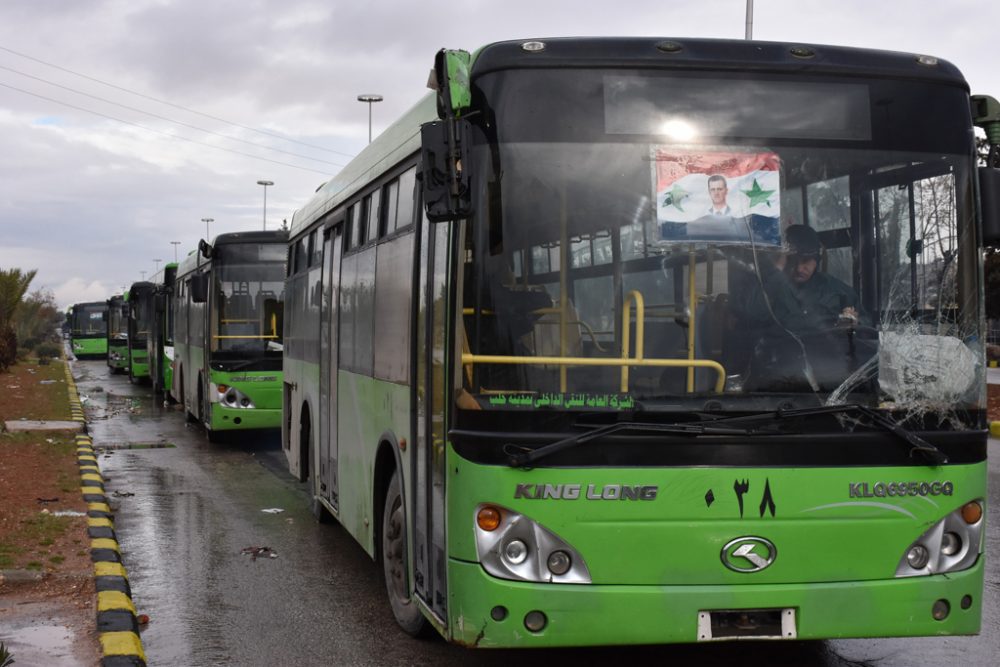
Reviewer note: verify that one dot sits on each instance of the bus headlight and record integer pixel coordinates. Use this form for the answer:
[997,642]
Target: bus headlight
[522,549]
[949,545]
[231,397]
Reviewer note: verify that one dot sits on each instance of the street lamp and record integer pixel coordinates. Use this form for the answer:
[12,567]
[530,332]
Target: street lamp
[156,266]
[206,221]
[370,100]
[265,184]
[175,244]
[143,273]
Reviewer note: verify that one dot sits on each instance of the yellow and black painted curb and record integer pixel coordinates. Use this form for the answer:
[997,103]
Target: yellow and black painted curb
[117,623]
[995,429]
[75,404]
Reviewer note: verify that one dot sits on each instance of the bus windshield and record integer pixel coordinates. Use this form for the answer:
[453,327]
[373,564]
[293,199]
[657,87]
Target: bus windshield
[805,240]
[117,319]
[88,320]
[249,292]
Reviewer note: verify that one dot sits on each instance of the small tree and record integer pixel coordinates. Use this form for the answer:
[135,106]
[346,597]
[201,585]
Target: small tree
[13,284]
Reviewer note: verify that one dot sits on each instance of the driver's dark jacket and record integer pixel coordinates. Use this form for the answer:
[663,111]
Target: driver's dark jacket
[809,312]
[809,307]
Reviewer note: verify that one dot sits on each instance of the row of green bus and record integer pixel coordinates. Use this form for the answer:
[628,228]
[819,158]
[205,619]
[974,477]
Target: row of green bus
[533,347]
[205,332]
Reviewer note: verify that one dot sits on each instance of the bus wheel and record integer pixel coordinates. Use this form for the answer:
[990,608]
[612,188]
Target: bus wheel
[394,562]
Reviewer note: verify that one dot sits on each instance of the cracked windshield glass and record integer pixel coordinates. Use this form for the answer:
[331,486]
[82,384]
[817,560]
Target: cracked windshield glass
[809,243]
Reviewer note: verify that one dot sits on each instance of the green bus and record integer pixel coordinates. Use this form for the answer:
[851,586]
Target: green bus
[118,333]
[88,329]
[140,322]
[553,359]
[160,342]
[227,308]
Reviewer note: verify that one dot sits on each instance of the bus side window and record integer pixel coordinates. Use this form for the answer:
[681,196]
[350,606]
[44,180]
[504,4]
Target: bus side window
[357,223]
[372,215]
[315,249]
[407,197]
[387,218]
[301,254]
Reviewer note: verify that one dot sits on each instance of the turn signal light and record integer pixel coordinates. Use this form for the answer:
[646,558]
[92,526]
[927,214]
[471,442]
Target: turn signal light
[223,388]
[488,518]
[972,512]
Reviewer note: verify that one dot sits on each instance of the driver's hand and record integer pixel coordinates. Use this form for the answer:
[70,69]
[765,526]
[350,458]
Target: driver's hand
[848,317]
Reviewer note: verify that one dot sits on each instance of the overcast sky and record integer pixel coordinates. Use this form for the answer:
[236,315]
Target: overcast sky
[123,123]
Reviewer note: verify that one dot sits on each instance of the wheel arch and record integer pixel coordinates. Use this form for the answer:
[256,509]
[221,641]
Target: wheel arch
[388,460]
[306,432]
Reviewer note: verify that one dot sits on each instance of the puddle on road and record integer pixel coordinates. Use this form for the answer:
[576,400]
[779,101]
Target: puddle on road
[133,445]
[41,644]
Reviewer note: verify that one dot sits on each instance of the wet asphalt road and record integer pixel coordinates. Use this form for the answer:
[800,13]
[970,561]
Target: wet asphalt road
[195,506]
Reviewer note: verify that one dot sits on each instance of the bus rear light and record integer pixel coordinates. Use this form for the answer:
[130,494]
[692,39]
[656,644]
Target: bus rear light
[972,512]
[950,545]
[488,518]
[512,546]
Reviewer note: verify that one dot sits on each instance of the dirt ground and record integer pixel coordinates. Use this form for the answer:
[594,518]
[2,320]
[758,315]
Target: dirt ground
[45,563]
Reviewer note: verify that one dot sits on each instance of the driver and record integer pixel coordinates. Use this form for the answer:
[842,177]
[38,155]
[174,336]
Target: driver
[794,297]
[811,300]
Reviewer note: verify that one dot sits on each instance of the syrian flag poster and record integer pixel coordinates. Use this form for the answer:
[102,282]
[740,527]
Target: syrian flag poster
[717,197]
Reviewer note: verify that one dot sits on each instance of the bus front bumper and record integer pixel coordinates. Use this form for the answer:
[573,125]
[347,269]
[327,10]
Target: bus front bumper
[581,615]
[231,419]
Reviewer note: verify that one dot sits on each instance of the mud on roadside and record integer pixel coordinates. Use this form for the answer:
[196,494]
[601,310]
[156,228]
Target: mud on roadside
[47,597]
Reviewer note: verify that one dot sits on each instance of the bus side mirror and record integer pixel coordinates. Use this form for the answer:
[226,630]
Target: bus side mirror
[205,248]
[450,78]
[989,197]
[160,303]
[199,288]
[444,181]
[986,115]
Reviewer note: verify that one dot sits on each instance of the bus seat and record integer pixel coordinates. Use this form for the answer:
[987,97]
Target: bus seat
[239,306]
[546,332]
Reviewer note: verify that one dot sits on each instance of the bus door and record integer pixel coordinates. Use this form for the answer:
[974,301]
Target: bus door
[427,491]
[328,361]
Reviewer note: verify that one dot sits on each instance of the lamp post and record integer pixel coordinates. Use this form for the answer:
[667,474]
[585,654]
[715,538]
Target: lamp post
[206,221]
[175,244]
[143,274]
[156,266]
[265,184]
[370,100]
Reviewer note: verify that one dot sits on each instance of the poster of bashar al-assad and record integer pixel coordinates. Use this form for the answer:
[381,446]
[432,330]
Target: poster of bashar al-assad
[717,197]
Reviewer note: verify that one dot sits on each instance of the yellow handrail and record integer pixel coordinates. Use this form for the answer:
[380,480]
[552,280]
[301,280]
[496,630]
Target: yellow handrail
[640,323]
[254,337]
[720,382]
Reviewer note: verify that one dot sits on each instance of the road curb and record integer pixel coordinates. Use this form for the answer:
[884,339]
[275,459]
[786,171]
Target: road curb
[995,429]
[117,623]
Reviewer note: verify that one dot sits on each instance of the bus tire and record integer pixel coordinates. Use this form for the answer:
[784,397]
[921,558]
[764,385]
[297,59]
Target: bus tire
[319,511]
[395,565]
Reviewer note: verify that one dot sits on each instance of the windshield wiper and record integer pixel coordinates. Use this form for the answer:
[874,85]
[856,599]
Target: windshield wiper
[519,457]
[929,452]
